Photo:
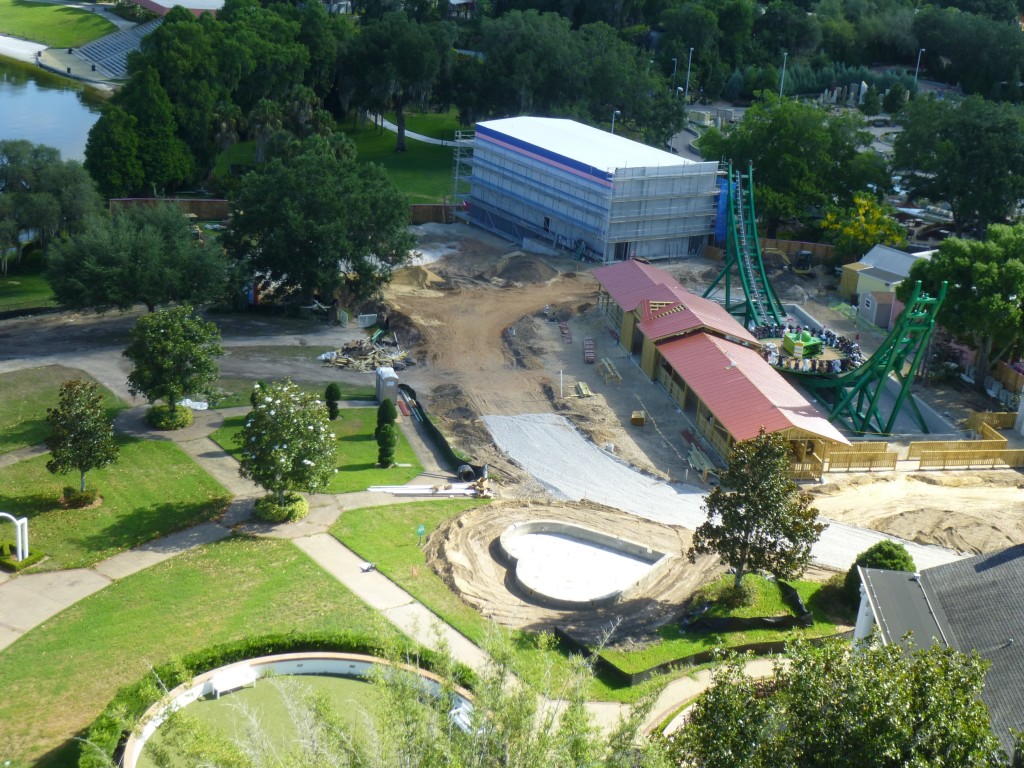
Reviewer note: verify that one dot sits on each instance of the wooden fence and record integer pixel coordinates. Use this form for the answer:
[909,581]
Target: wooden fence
[845,461]
[994,420]
[964,459]
[809,469]
[918,448]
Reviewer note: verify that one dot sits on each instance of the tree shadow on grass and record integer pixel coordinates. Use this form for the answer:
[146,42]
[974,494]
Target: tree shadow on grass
[25,434]
[30,505]
[144,524]
[356,467]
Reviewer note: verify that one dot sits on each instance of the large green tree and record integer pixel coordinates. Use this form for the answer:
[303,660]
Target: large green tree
[984,304]
[833,706]
[862,226]
[145,254]
[349,228]
[286,443]
[969,154]
[758,518]
[803,157]
[174,353]
[81,434]
[112,153]
[400,61]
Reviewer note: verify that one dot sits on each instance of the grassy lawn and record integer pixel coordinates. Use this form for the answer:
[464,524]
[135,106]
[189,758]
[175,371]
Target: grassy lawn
[57,26]
[26,395]
[232,393]
[433,124]
[766,601]
[386,536]
[24,291]
[357,451]
[154,489]
[59,676]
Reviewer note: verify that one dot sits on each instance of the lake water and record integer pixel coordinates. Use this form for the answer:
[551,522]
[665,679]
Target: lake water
[46,109]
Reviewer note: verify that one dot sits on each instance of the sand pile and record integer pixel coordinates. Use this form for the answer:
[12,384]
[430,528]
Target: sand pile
[521,268]
[417,277]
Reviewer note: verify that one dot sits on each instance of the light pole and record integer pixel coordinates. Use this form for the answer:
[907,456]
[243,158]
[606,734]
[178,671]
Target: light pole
[686,93]
[675,66]
[918,67]
[616,112]
[782,81]
[679,90]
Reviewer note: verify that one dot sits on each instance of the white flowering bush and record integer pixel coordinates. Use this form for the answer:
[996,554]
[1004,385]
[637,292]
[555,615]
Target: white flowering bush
[287,443]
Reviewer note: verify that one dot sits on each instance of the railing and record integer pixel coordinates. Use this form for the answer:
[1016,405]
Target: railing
[995,420]
[1013,457]
[919,448]
[845,461]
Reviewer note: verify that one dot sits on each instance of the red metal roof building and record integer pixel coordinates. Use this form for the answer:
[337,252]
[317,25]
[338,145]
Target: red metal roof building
[707,361]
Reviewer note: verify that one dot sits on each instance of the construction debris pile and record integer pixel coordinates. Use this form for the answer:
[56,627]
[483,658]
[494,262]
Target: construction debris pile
[364,355]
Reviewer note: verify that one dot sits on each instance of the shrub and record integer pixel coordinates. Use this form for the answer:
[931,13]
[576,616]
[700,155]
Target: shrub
[73,498]
[886,554]
[332,393]
[332,409]
[8,563]
[387,440]
[163,418]
[295,507]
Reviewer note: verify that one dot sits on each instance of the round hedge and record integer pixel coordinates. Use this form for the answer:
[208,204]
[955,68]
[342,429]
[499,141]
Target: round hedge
[886,554]
[294,508]
[163,418]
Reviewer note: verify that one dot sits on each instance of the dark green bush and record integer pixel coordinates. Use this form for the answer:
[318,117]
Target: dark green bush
[333,392]
[8,550]
[295,507]
[387,441]
[886,554]
[73,498]
[163,418]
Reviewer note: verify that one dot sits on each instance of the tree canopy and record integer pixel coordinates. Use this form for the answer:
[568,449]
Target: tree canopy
[349,229]
[286,443]
[758,519]
[862,226]
[81,434]
[174,352]
[836,707]
[145,254]
[969,154]
[886,554]
[802,156]
[984,303]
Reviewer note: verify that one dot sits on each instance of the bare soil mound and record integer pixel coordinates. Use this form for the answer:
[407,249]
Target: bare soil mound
[463,553]
[522,268]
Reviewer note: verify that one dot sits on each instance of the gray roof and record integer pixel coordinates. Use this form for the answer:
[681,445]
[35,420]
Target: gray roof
[901,606]
[974,604]
[893,260]
[887,277]
[982,604]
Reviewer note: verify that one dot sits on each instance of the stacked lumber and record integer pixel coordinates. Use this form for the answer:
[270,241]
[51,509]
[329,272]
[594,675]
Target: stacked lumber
[588,350]
[566,336]
[364,355]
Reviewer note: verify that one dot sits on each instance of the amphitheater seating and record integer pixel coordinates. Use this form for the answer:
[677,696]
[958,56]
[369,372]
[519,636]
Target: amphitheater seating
[110,53]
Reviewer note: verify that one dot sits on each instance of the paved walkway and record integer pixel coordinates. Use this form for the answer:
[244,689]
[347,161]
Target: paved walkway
[415,136]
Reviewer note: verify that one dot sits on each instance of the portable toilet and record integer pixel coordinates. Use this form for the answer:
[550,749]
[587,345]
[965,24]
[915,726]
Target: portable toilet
[387,384]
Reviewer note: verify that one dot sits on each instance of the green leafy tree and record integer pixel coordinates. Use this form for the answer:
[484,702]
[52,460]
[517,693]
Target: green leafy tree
[387,441]
[758,519]
[895,98]
[112,153]
[174,353]
[803,157]
[286,443]
[831,706]
[984,305]
[862,226]
[81,434]
[144,254]
[401,61]
[352,224]
[872,103]
[969,154]
[886,554]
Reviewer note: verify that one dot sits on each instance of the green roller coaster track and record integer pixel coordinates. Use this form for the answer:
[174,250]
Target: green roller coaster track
[855,399]
[759,304]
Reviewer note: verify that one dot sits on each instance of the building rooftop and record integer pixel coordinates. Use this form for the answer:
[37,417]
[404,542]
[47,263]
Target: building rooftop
[900,606]
[594,148]
[630,282]
[893,261]
[742,390]
[686,312]
[197,7]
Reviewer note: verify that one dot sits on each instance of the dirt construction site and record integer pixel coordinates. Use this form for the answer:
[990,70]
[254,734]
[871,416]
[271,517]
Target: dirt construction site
[481,319]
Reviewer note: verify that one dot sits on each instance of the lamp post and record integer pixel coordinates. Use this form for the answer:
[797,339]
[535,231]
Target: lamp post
[782,81]
[616,112]
[918,67]
[679,91]
[675,66]
[686,93]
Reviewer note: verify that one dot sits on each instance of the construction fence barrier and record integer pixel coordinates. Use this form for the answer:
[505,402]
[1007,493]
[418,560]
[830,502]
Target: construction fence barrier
[998,420]
[918,448]
[846,461]
[963,459]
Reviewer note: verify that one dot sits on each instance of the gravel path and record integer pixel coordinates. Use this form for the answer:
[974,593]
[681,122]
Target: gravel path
[573,468]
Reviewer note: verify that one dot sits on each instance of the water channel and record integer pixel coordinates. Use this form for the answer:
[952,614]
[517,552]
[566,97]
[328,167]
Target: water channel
[46,109]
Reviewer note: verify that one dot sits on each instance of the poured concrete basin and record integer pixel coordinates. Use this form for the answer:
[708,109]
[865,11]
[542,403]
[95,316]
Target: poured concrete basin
[570,566]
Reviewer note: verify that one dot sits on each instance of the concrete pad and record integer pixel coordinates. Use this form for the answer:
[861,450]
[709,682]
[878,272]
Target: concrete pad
[343,564]
[140,558]
[8,636]
[29,600]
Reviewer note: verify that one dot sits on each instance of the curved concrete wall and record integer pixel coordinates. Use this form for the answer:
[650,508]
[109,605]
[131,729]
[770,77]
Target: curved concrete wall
[320,663]
[657,560]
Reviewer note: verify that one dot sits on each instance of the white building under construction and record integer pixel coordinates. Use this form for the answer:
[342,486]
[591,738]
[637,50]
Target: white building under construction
[580,188]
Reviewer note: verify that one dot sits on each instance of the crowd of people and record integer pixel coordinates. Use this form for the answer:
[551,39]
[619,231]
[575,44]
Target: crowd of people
[850,353]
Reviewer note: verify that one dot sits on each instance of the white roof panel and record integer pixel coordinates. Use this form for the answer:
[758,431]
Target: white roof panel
[583,143]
